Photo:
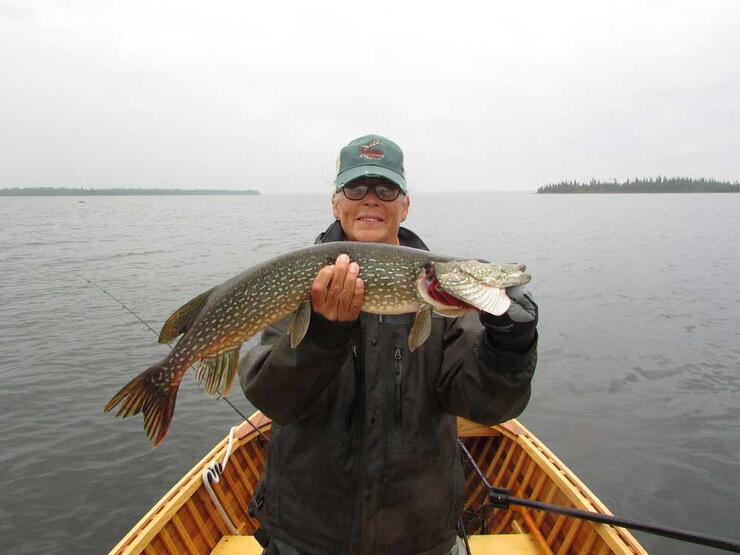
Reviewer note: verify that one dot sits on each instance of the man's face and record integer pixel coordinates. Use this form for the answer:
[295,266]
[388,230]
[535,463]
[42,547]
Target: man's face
[370,219]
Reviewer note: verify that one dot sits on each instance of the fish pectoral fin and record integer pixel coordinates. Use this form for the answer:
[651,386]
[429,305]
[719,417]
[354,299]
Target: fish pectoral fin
[218,371]
[180,320]
[469,289]
[493,300]
[422,327]
[299,325]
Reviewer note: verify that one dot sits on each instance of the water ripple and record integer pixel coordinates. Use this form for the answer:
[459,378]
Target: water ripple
[639,358]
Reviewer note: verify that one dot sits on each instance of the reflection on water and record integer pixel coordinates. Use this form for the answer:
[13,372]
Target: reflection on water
[637,386]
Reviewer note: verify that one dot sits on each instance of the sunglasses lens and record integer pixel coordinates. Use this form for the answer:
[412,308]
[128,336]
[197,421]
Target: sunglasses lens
[387,192]
[356,192]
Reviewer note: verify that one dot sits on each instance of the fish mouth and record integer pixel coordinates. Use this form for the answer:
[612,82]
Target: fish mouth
[456,287]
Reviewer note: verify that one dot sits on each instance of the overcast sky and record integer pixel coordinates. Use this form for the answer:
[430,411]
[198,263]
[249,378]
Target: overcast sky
[480,95]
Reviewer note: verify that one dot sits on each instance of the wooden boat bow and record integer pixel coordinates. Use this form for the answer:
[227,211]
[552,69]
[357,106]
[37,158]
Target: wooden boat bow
[185,520]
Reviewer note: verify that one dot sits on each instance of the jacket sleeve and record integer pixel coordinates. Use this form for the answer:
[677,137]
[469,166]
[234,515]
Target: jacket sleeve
[479,381]
[281,381]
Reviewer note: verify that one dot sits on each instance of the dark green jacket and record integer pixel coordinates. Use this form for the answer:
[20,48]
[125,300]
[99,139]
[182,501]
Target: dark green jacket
[363,456]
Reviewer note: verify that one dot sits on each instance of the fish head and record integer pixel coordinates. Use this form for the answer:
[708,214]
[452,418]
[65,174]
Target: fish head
[458,286]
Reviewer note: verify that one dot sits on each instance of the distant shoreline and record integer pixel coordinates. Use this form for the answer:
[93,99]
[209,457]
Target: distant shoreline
[76,192]
[650,186]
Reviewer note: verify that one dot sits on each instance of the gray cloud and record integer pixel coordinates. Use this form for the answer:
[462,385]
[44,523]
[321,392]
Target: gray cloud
[481,97]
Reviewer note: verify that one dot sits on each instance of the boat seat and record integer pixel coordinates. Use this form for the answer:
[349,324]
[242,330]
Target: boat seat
[241,545]
[511,544]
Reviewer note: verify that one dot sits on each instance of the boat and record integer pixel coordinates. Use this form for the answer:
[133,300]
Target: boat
[206,511]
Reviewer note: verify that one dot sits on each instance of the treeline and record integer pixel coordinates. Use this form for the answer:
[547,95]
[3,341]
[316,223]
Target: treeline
[73,191]
[651,185]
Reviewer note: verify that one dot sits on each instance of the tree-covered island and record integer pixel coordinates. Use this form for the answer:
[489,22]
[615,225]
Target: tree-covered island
[117,191]
[650,185]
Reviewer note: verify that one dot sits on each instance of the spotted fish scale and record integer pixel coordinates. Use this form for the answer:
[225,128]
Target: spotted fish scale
[213,326]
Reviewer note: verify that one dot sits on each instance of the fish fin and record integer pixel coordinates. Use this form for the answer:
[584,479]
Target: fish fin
[299,325]
[218,371]
[181,320]
[422,327]
[152,392]
[467,288]
[493,300]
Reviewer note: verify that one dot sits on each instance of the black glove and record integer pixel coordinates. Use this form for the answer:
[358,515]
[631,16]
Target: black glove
[515,329]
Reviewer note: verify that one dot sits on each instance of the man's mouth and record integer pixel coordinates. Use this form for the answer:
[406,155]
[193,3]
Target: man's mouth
[370,219]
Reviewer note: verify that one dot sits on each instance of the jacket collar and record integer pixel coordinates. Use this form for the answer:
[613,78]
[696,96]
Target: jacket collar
[406,237]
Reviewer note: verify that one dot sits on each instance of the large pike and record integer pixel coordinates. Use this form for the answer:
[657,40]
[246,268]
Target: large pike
[214,324]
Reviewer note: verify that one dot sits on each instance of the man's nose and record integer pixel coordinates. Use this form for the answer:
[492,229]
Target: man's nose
[371,197]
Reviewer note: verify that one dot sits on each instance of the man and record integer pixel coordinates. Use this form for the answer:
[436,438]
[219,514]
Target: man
[363,456]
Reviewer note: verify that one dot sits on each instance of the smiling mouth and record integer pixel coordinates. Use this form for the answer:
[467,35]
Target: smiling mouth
[370,219]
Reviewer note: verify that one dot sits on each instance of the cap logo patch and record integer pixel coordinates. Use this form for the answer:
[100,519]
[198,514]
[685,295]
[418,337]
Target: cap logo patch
[367,151]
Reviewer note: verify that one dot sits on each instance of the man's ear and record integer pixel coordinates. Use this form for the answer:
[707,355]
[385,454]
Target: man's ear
[407,203]
[335,205]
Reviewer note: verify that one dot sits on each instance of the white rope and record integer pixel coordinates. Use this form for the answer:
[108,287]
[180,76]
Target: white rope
[212,473]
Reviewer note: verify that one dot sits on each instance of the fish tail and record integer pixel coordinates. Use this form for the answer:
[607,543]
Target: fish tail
[152,392]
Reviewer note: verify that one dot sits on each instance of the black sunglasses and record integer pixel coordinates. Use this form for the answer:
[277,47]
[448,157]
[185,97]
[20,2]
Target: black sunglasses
[385,191]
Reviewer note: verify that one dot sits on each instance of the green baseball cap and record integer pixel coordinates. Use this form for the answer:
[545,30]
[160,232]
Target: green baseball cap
[371,156]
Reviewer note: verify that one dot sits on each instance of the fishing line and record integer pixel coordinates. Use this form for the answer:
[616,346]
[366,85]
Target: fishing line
[119,302]
[256,429]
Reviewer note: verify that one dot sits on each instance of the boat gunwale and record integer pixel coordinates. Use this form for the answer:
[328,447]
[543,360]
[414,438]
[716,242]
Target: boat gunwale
[577,492]
[148,526]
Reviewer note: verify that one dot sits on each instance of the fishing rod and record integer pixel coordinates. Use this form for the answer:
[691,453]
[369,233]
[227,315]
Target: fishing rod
[256,429]
[501,498]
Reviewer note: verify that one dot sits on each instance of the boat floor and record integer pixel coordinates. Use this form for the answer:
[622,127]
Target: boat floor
[511,544]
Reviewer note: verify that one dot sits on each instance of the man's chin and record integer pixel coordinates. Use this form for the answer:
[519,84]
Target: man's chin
[370,235]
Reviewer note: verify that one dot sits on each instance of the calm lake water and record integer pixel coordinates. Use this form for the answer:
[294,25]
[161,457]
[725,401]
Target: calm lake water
[636,389]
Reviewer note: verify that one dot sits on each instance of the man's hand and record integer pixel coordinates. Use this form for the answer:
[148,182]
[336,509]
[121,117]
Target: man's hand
[514,330]
[337,292]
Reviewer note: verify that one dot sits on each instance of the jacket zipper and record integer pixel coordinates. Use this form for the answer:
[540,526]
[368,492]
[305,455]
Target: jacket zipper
[358,377]
[397,375]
